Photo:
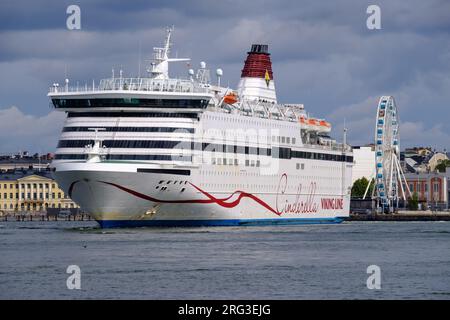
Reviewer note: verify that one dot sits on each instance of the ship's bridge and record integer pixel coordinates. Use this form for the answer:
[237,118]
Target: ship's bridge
[132,94]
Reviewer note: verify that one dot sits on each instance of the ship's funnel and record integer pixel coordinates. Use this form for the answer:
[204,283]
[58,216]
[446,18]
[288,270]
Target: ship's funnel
[257,78]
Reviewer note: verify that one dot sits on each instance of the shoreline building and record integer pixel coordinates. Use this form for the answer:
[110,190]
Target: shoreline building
[31,191]
[24,161]
[432,187]
[422,160]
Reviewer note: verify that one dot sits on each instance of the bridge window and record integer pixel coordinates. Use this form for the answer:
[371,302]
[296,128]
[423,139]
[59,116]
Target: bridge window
[130,103]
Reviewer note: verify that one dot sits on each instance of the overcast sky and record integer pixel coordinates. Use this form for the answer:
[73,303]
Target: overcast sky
[322,52]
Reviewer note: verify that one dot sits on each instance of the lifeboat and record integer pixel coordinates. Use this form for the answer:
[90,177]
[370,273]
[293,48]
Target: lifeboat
[313,122]
[325,124]
[230,98]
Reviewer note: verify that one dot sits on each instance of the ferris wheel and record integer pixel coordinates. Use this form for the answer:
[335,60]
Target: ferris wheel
[388,175]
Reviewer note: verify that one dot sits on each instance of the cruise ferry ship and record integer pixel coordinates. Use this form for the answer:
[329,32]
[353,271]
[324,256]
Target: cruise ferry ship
[162,151]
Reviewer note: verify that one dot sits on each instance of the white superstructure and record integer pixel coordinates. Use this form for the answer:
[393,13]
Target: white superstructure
[165,151]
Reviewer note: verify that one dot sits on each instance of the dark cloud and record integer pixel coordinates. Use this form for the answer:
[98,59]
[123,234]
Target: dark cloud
[323,54]
[20,131]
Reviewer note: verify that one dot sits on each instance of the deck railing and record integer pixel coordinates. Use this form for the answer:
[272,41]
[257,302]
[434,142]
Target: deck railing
[135,84]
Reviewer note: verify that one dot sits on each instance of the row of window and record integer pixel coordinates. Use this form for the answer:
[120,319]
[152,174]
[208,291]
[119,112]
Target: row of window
[235,162]
[288,153]
[124,114]
[419,187]
[131,129]
[32,196]
[300,166]
[130,103]
[170,181]
[283,139]
[141,144]
[28,185]
[250,120]
[34,206]
[160,144]
[159,157]
[275,152]
[321,156]
[248,163]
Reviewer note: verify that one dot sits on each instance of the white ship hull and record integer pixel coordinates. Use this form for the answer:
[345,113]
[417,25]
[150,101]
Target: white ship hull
[118,196]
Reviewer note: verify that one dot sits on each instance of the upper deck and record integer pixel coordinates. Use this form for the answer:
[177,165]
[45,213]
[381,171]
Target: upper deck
[132,85]
[132,94]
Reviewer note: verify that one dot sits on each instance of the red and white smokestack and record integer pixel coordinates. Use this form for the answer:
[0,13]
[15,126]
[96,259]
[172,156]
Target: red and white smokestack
[257,78]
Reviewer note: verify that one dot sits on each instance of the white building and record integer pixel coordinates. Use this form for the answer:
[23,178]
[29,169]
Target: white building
[364,163]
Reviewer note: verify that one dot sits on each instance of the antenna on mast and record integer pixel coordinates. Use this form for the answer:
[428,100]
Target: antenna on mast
[168,44]
[159,67]
[344,142]
[139,57]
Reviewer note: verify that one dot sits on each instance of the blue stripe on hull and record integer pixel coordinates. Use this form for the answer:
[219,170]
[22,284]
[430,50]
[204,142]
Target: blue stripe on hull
[216,223]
